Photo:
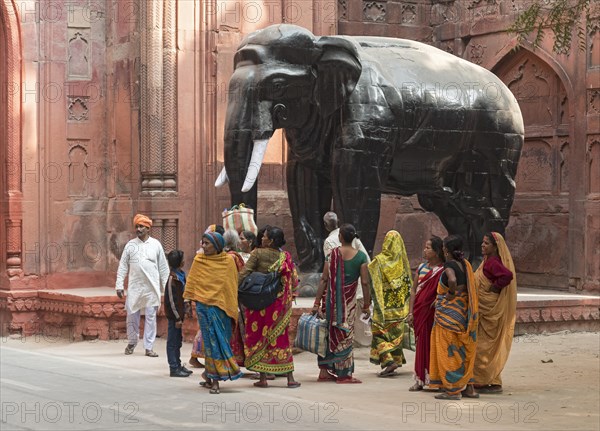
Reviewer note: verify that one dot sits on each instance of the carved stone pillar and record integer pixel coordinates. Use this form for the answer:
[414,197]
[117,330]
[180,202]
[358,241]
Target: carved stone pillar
[11,193]
[158,97]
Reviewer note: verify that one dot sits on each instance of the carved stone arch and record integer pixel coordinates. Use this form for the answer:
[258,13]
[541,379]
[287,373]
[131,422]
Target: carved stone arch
[10,150]
[494,62]
[545,105]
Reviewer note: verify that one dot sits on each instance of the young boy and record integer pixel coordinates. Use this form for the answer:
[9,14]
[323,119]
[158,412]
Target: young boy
[175,311]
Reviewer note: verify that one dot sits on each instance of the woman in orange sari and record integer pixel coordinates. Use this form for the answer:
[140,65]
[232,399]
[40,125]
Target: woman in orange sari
[267,342]
[454,334]
[422,307]
[497,287]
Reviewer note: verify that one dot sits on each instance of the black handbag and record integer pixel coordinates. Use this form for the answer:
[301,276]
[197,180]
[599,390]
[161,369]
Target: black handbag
[258,290]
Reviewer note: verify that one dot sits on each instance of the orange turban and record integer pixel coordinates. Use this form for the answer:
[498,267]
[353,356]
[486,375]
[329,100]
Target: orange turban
[142,219]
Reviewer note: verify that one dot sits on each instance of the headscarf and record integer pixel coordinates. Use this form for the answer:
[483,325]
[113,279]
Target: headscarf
[393,259]
[143,220]
[216,239]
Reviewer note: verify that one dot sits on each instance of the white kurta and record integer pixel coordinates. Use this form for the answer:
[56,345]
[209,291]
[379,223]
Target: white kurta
[333,240]
[148,270]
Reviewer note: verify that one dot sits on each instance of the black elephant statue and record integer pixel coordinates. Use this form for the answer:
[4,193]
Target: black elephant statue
[369,115]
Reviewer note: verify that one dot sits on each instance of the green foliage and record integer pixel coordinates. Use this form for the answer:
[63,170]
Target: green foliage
[561,17]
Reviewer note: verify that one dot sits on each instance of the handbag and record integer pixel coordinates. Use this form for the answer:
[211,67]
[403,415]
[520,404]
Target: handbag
[239,218]
[408,338]
[311,334]
[258,290]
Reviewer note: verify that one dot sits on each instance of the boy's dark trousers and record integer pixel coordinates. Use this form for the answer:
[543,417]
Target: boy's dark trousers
[174,343]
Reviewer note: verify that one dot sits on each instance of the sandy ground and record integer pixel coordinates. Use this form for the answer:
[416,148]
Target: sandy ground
[552,382]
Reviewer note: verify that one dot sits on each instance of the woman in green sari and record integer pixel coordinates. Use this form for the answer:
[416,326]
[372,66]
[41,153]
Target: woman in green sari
[390,290]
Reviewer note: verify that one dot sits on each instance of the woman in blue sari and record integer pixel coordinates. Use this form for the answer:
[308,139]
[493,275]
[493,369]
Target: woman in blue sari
[212,284]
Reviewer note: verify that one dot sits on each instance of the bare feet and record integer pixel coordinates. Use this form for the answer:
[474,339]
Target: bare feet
[194,362]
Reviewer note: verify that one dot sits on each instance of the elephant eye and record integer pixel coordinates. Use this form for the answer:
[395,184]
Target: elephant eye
[277,88]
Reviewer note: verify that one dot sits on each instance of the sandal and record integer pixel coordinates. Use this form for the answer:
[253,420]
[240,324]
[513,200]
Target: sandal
[490,389]
[469,394]
[260,384]
[347,380]
[214,391]
[293,385]
[129,349]
[388,374]
[151,353]
[416,387]
[446,396]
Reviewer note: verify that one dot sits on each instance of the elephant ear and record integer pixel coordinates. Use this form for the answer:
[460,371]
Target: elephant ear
[338,69]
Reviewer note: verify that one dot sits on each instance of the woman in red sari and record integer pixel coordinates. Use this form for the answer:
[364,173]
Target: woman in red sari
[267,342]
[337,295]
[422,306]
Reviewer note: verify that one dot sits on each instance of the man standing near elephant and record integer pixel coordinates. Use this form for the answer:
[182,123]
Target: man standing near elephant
[332,241]
[144,262]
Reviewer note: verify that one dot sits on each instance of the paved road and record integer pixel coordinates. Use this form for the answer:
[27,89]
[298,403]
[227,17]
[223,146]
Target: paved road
[48,384]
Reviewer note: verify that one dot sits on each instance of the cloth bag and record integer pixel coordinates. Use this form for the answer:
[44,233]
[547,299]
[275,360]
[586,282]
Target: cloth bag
[312,334]
[239,218]
[408,338]
[258,290]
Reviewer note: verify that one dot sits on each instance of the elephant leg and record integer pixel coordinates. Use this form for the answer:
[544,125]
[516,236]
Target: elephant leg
[454,219]
[357,194]
[309,193]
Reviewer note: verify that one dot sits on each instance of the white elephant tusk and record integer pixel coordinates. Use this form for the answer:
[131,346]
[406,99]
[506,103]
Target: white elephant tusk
[258,153]
[222,179]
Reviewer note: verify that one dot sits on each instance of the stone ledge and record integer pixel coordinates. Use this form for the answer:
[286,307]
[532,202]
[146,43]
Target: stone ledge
[97,313]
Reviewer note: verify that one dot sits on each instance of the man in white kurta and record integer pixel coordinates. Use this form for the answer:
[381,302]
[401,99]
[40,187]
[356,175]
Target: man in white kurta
[144,262]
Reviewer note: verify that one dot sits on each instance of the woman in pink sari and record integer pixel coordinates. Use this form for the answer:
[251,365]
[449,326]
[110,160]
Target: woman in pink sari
[422,307]
[267,342]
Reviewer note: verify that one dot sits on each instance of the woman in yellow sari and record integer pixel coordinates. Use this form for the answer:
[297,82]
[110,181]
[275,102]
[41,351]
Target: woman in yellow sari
[497,286]
[212,285]
[454,334]
[390,290]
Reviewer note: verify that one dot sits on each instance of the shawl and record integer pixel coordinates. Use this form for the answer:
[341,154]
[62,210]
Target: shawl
[212,280]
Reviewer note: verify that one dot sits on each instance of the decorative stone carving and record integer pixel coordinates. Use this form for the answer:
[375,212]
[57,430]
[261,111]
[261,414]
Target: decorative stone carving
[445,11]
[374,11]
[536,167]
[158,97]
[481,9]
[594,41]
[77,170]
[594,101]
[78,108]
[564,167]
[477,52]
[342,10]
[79,61]
[593,159]
[408,12]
